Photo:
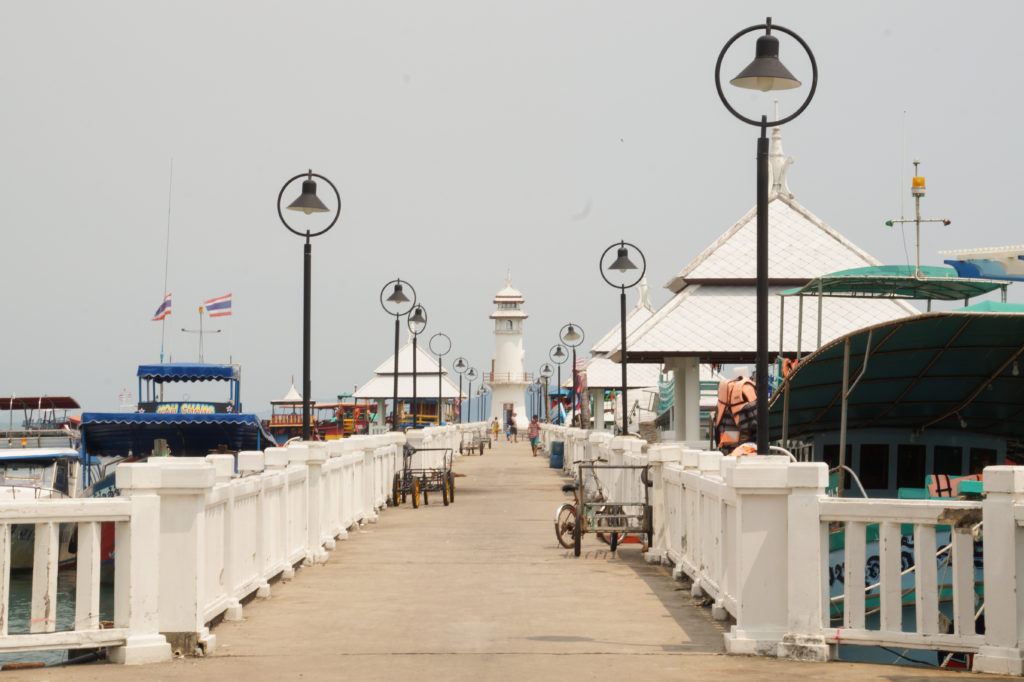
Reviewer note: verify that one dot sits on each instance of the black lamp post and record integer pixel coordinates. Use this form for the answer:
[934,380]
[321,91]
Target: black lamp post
[765,73]
[307,202]
[460,367]
[439,345]
[572,336]
[471,375]
[545,372]
[622,264]
[417,322]
[397,304]
[558,356]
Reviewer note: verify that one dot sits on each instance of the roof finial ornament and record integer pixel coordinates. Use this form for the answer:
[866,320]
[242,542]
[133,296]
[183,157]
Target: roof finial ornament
[778,163]
[644,301]
[508,277]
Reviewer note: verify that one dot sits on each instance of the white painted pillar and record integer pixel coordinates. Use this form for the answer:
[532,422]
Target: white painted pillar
[1004,573]
[597,394]
[136,570]
[313,455]
[658,456]
[760,554]
[807,558]
[686,397]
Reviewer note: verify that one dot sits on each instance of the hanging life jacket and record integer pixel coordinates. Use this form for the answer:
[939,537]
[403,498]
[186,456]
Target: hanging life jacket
[737,411]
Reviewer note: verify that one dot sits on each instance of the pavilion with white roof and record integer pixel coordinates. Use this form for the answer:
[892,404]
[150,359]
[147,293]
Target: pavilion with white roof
[712,316]
[381,386]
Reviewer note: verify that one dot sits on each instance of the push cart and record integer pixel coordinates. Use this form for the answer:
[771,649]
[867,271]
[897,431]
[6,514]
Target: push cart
[411,483]
[612,500]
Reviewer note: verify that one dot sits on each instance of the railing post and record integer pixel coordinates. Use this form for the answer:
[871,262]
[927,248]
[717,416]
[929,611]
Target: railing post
[657,457]
[1004,573]
[760,553]
[313,455]
[136,570]
[807,558]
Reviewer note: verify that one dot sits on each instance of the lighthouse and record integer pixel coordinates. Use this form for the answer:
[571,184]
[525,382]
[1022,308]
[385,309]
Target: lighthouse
[507,380]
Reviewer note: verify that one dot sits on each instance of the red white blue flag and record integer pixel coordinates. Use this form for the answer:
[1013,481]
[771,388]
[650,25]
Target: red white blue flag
[164,310]
[219,307]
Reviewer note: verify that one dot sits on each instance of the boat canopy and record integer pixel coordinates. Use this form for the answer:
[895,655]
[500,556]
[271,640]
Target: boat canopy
[46,402]
[118,433]
[897,281]
[953,370]
[182,371]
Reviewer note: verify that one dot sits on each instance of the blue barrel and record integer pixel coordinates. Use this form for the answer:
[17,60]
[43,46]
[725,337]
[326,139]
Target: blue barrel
[557,454]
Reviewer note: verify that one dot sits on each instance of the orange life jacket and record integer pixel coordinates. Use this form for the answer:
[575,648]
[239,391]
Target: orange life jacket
[788,365]
[733,395]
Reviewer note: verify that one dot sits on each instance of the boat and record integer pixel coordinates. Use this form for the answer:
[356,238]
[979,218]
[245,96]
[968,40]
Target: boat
[346,417]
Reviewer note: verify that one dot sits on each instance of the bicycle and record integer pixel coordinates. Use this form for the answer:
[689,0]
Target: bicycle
[570,525]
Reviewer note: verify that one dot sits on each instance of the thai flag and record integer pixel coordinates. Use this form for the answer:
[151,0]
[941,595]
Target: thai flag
[579,363]
[164,310]
[219,307]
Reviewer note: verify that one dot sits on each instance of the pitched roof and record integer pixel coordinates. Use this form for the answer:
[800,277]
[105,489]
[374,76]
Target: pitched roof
[425,363]
[802,246]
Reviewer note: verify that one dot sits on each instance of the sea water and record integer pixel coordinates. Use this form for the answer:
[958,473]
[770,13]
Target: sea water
[19,612]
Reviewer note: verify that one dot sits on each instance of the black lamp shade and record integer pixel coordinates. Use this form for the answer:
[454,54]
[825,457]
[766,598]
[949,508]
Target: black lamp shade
[571,334]
[622,262]
[559,353]
[459,364]
[308,202]
[766,72]
[397,296]
[417,316]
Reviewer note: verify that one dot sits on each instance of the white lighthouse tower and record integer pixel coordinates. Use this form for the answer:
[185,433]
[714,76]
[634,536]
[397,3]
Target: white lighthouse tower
[507,381]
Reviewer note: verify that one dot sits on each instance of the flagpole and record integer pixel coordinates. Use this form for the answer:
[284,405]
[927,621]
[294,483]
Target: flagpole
[167,256]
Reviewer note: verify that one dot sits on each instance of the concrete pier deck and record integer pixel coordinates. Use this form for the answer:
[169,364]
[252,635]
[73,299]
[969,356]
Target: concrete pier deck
[479,590]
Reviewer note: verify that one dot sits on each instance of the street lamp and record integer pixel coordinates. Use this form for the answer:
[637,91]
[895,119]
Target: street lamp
[460,367]
[545,372]
[471,375]
[439,345]
[397,304]
[308,203]
[558,356]
[765,73]
[572,336]
[622,265]
[417,322]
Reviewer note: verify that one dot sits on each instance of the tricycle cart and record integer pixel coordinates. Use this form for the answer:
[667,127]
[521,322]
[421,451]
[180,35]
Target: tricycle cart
[411,482]
[612,500]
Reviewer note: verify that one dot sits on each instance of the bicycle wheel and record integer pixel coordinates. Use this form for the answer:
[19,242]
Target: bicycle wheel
[577,532]
[565,520]
[396,486]
[415,493]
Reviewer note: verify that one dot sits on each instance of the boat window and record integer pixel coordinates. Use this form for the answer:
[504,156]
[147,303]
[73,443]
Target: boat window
[23,473]
[874,466]
[910,465]
[831,455]
[981,458]
[948,459]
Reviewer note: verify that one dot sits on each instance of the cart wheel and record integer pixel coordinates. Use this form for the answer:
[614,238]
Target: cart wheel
[565,521]
[423,487]
[395,491]
[451,487]
[481,448]
[415,493]
[444,489]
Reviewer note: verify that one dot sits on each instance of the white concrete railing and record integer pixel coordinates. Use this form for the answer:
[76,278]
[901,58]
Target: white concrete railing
[752,533]
[193,539]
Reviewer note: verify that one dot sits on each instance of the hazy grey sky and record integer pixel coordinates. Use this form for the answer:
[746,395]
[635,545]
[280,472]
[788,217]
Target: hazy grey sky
[465,138]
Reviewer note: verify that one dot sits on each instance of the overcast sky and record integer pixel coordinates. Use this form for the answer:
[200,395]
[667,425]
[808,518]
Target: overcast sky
[465,138]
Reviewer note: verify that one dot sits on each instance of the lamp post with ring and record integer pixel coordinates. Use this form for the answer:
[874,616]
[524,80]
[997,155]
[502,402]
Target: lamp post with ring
[558,356]
[417,322]
[623,265]
[471,375]
[308,203]
[545,372]
[572,336]
[398,304]
[460,366]
[439,345]
[765,73]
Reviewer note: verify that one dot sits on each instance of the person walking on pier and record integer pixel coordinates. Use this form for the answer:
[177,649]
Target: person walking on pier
[533,431]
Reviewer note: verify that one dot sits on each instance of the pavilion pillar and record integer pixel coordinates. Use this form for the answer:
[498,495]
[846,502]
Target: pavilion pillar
[686,397]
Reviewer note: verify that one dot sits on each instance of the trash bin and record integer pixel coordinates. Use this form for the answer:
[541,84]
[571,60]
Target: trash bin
[557,454]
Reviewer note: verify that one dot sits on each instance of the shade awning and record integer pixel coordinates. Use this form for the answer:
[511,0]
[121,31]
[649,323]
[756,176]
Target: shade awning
[46,402]
[180,371]
[897,281]
[118,433]
[957,370]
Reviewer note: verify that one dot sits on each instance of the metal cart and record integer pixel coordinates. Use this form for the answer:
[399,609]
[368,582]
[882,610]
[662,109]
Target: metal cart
[614,506]
[410,482]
